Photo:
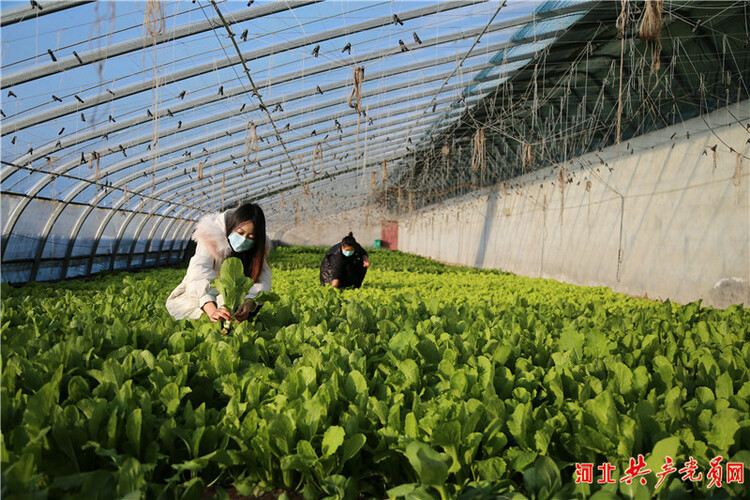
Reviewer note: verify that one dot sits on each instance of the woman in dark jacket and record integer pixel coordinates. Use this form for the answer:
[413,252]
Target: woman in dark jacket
[345,264]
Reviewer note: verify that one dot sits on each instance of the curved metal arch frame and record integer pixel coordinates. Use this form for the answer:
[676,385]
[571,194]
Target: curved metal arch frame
[134,160]
[132,45]
[374,163]
[293,186]
[201,69]
[46,149]
[288,77]
[75,192]
[83,217]
[165,239]
[151,215]
[137,233]
[21,14]
[136,237]
[378,160]
[178,230]
[268,170]
[124,227]
[344,176]
[372,166]
[259,188]
[398,86]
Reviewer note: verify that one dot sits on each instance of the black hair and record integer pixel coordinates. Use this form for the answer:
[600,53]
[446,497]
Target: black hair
[252,260]
[349,240]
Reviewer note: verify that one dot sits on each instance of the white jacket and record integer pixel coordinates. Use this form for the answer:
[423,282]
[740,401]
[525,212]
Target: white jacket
[211,250]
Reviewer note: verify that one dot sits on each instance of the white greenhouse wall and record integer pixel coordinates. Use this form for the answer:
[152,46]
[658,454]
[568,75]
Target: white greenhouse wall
[327,232]
[679,224]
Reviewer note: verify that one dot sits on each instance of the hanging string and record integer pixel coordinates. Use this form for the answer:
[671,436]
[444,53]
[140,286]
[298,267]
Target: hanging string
[737,180]
[251,141]
[94,162]
[359,78]
[479,157]
[562,180]
[223,188]
[200,171]
[527,156]
[317,155]
[446,151]
[621,25]
[364,154]
[384,187]
[51,161]
[153,19]
[155,24]
[650,30]
[715,155]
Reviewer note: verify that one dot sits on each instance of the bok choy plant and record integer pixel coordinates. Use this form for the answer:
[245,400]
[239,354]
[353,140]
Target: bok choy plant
[233,285]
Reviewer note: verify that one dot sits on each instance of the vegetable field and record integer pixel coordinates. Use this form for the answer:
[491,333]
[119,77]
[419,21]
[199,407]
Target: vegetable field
[429,382]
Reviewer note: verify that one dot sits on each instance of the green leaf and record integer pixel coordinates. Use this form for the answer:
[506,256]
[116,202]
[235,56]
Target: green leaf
[332,439]
[352,445]
[572,340]
[667,447]
[133,429]
[622,378]
[232,283]
[193,489]
[723,426]
[520,423]
[305,449]
[263,297]
[431,466]
[634,491]
[39,406]
[491,469]
[543,479]
[170,397]
[448,435]
[131,478]
[410,370]
[402,490]
[723,387]
[603,413]
[355,385]
[429,351]
[411,427]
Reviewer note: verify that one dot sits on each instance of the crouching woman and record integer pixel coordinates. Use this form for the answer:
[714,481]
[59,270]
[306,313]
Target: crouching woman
[235,233]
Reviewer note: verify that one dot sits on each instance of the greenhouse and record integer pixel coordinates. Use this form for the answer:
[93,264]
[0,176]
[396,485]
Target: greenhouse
[367,249]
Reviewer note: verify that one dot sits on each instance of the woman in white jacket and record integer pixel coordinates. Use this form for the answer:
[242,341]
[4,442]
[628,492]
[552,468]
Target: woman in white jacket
[235,233]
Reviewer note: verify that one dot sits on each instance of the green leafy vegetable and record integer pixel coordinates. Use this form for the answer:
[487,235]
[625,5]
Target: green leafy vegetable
[232,283]
[430,380]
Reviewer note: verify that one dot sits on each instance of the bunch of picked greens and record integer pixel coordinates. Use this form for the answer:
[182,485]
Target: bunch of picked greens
[233,285]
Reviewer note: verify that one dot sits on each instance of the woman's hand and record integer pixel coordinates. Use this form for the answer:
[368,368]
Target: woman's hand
[216,313]
[365,261]
[244,311]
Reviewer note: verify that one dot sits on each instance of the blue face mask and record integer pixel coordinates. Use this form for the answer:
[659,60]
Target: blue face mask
[240,243]
[347,253]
